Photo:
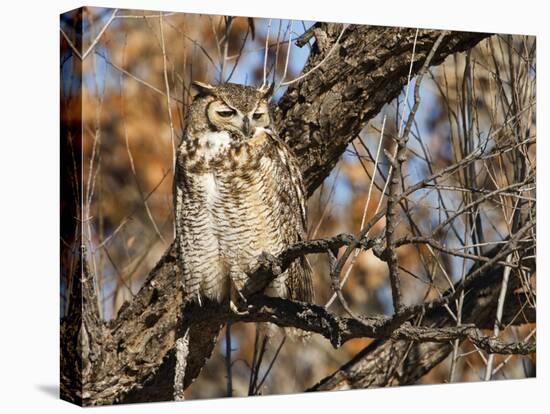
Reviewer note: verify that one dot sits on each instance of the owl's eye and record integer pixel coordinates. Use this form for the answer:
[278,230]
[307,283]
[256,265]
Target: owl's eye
[226,113]
[257,115]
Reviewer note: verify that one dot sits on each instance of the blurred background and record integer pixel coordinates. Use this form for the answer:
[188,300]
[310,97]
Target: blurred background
[134,97]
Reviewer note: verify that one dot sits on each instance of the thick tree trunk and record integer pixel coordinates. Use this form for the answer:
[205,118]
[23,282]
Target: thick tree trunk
[132,358]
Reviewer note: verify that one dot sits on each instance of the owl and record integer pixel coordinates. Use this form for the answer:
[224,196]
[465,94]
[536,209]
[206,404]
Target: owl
[238,192]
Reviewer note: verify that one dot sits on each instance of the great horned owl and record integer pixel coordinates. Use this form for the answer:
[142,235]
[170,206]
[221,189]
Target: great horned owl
[238,192]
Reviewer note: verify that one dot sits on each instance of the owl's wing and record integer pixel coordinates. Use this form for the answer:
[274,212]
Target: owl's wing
[290,180]
[299,282]
[178,194]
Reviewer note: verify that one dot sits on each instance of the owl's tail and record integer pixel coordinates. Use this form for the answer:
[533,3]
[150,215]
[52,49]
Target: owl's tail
[302,292]
[301,280]
[299,287]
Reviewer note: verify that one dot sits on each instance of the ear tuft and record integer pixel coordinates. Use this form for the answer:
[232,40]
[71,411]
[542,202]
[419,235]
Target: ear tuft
[267,90]
[202,88]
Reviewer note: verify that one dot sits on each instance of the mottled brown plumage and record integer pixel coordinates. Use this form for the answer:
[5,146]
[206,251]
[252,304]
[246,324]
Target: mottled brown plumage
[238,192]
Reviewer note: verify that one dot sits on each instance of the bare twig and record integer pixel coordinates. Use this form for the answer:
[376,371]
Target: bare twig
[94,42]
[137,79]
[365,209]
[390,254]
[133,169]
[167,90]
[259,387]
[288,47]
[329,53]
[228,363]
[498,318]
[266,52]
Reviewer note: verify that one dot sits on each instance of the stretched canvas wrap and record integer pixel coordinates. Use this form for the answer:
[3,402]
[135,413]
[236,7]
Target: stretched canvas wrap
[256,206]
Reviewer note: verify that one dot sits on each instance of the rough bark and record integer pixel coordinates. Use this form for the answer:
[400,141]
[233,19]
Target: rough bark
[131,359]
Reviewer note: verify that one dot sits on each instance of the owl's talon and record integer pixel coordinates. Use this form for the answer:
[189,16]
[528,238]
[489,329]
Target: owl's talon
[235,310]
[241,296]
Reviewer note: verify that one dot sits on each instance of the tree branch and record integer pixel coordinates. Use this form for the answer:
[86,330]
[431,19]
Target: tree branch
[338,330]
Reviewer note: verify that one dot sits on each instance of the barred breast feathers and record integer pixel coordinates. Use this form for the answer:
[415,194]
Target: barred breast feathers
[245,197]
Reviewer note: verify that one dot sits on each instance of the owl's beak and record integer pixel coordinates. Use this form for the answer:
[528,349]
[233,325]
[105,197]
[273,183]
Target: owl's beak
[246,127]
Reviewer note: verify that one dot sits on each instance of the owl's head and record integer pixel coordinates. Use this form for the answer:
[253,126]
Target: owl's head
[234,108]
